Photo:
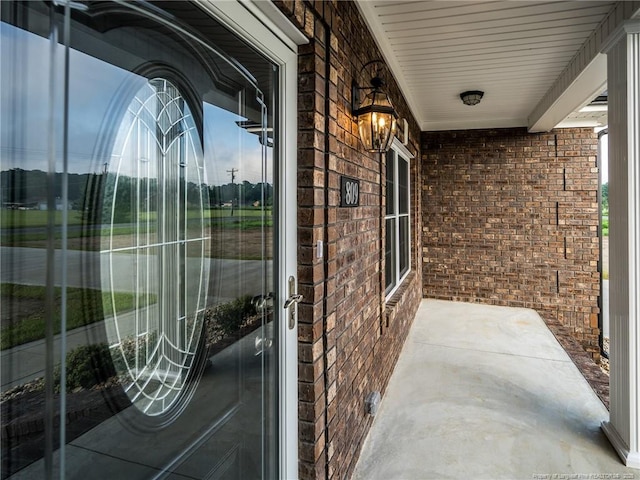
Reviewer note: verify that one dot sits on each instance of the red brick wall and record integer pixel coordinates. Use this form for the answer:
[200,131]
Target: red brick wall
[511,218]
[349,338]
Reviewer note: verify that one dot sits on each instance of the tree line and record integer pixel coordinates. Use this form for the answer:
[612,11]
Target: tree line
[27,189]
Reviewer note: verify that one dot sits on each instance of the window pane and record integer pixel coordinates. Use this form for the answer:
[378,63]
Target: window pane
[390,254]
[403,186]
[390,180]
[403,245]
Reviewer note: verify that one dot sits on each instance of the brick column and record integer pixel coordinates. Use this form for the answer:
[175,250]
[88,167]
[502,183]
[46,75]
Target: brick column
[623,72]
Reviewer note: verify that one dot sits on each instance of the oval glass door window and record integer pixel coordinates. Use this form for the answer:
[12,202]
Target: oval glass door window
[153,260]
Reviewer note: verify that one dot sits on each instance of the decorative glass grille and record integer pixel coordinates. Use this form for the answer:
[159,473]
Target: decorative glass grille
[155,196]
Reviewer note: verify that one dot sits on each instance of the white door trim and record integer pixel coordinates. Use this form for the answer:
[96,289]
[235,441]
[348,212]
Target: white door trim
[268,37]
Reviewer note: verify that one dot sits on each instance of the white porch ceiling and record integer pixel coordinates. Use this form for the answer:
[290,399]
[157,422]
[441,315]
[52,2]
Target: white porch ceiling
[514,51]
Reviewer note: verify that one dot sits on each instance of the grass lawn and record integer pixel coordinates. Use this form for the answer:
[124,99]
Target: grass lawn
[219,218]
[237,212]
[35,218]
[39,218]
[24,306]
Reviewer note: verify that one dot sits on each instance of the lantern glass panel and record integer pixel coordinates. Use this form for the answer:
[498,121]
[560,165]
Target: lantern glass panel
[376,122]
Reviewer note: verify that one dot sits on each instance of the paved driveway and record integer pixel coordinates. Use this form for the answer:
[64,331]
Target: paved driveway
[229,279]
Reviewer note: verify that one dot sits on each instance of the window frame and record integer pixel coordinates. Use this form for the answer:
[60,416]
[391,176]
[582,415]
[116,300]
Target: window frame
[398,152]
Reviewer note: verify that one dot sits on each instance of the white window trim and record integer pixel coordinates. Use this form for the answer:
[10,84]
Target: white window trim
[401,148]
[401,151]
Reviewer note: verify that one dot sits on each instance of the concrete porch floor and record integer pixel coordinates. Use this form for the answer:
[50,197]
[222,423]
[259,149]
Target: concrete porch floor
[487,392]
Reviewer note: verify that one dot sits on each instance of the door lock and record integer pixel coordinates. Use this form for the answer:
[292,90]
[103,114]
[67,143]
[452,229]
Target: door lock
[292,301]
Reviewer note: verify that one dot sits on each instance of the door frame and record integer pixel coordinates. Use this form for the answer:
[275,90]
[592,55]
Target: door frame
[266,29]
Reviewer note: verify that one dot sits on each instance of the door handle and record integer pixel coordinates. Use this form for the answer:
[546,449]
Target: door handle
[292,302]
[295,298]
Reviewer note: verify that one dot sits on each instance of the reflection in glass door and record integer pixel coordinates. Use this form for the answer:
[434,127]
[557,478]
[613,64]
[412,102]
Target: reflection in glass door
[137,245]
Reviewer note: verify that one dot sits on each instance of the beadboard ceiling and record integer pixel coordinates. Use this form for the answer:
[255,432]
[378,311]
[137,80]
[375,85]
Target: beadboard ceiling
[514,51]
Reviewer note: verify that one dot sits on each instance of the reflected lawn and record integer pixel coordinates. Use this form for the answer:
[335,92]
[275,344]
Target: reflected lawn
[236,234]
[24,310]
[35,218]
[231,241]
[39,218]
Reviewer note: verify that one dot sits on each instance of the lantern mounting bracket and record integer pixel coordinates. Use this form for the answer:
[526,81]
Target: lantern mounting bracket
[376,82]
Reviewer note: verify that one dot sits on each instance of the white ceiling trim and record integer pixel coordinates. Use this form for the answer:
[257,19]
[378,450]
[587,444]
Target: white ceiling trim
[588,84]
[584,77]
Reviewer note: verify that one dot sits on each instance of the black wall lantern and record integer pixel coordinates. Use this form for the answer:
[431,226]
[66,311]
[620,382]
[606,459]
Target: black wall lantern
[375,114]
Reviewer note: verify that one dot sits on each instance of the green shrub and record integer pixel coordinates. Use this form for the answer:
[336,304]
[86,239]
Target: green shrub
[90,365]
[87,366]
[230,316]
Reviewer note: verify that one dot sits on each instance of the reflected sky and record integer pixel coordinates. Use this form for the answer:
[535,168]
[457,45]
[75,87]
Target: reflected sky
[94,84]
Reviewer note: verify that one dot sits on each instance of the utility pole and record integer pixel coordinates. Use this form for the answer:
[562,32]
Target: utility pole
[233,182]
